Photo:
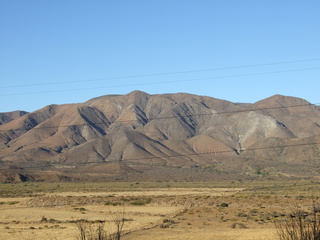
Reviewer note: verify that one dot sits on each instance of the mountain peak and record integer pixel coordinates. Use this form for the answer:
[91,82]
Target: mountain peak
[282,100]
[137,93]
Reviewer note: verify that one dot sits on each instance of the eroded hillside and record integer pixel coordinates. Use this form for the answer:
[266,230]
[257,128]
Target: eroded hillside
[136,132]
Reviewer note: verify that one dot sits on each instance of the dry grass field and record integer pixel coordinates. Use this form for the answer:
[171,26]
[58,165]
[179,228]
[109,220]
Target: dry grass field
[162,211]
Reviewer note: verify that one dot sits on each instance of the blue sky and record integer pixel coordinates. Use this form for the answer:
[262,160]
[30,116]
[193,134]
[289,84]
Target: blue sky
[55,52]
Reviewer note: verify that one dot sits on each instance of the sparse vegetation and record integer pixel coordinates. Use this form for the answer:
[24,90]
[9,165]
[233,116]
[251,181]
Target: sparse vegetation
[112,203]
[300,225]
[118,218]
[95,230]
[224,205]
[87,231]
[81,209]
[196,206]
[238,225]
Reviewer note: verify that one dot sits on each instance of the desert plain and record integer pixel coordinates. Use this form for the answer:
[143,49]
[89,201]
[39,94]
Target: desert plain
[153,210]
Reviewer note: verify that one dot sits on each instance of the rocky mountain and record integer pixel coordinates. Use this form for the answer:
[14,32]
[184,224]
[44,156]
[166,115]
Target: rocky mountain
[9,116]
[129,135]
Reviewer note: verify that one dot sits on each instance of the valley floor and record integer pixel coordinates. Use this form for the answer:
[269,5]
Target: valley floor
[159,211]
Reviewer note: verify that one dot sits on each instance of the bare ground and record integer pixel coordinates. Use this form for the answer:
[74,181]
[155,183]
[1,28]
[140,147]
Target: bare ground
[154,213]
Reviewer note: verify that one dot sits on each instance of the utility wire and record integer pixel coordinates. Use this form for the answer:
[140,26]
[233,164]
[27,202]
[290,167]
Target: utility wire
[190,155]
[160,82]
[205,153]
[162,74]
[162,118]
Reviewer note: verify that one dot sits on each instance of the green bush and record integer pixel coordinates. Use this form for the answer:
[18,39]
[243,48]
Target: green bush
[224,205]
[138,203]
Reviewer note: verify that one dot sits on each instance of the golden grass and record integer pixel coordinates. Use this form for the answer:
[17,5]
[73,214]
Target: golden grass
[165,210]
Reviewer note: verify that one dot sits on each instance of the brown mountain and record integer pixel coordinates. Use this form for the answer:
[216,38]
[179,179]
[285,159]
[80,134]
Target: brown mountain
[134,134]
[9,116]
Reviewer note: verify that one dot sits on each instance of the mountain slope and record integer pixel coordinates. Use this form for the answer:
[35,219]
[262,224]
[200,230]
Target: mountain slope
[9,116]
[169,130]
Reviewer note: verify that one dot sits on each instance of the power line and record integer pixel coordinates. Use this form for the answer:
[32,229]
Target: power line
[163,118]
[174,156]
[211,152]
[162,74]
[157,83]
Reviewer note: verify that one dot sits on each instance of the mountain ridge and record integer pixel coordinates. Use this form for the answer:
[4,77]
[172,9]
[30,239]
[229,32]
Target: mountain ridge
[142,131]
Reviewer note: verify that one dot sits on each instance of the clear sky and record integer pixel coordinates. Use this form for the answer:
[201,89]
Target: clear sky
[55,52]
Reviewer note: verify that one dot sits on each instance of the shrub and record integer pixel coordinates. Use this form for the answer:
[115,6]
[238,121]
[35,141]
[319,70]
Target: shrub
[112,203]
[224,205]
[138,203]
[299,225]
[167,225]
[240,225]
[82,209]
[168,221]
[95,230]
[241,214]
[90,232]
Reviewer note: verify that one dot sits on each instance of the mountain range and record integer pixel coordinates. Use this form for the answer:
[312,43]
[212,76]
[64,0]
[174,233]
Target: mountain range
[162,137]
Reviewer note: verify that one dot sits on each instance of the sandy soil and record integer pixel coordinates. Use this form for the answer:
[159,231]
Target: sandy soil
[25,222]
[204,234]
[159,214]
[159,192]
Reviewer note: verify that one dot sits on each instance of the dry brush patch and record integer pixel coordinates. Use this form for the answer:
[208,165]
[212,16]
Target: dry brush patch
[180,210]
[59,215]
[300,224]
